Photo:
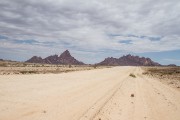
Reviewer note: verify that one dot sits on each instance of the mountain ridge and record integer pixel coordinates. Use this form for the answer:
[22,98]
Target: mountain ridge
[65,58]
[128,60]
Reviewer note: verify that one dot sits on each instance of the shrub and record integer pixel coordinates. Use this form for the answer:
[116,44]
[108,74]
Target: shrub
[70,66]
[28,72]
[132,95]
[132,75]
[95,66]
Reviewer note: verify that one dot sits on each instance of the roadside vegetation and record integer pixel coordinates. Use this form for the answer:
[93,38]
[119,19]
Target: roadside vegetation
[132,75]
[12,67]
[167,75]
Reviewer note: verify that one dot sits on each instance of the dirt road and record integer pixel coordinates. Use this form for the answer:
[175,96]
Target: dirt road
[102,94]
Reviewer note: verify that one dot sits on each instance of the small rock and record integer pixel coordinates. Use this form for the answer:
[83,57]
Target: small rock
[132,95]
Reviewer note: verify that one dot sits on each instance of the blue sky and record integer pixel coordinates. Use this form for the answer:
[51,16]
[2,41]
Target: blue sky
[92,31]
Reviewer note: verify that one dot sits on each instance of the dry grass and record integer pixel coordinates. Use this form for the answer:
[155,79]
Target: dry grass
[10,67]
[163,72]
[167,75]
[132,75]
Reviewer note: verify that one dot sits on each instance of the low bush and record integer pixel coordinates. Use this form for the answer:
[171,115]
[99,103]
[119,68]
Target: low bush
[132,75]
[28,72]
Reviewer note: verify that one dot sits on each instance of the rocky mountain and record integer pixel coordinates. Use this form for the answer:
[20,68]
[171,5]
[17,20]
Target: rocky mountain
[35,59]
[53,59]
[65,58]
[172,65]
[129,60]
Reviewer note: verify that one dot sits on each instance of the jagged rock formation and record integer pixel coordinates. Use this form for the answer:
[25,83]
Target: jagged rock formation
[65,58]
[129,60]
[53,59]
[35,59]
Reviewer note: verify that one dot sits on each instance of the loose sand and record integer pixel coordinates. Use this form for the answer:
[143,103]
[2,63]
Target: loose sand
[100,94]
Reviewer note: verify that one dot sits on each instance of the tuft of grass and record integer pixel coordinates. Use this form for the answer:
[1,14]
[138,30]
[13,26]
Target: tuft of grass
[3,65]
[132,75]
[28,72]
[132,95]
[95,66]
[70,66]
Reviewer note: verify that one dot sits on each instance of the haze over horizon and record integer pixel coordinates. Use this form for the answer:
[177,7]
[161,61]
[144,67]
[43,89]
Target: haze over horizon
[90,30]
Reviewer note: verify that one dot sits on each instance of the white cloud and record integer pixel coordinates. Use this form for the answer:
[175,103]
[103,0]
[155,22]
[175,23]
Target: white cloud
[84,25]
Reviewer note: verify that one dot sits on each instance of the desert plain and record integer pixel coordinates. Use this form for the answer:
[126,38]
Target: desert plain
[115,93]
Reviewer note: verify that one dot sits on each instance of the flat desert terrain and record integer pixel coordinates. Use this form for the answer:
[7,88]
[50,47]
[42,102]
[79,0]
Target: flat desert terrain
[99,94]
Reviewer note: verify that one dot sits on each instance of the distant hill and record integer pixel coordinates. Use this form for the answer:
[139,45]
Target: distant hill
[35,59]
[172,65]
[65,58]
[129,60]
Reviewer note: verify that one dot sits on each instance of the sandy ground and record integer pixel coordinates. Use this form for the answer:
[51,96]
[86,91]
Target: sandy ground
[101,94]
[166,75]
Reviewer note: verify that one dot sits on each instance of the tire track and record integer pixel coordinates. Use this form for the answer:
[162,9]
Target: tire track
[95,109]
[159,94]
